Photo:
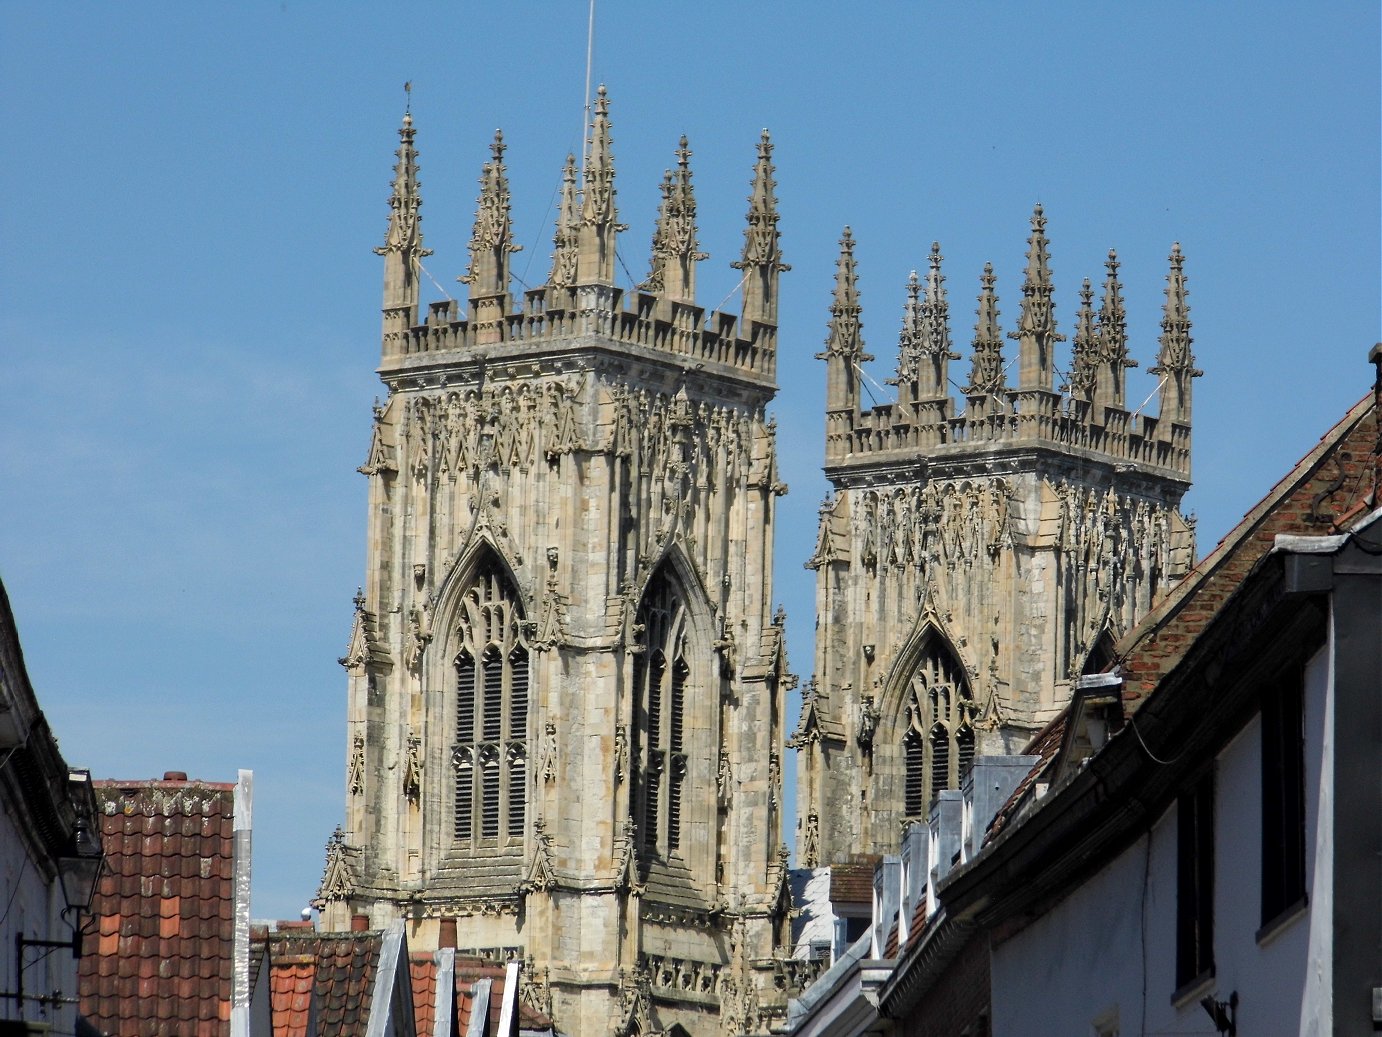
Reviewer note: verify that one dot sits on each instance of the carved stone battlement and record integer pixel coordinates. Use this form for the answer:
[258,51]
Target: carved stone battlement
[681,330]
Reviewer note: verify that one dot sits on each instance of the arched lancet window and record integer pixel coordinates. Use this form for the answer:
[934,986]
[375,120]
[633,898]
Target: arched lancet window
[490,751]
[937,740]
[661,676]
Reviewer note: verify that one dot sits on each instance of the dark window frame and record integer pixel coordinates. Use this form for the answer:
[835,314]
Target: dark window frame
[1283,800]
[1195,884]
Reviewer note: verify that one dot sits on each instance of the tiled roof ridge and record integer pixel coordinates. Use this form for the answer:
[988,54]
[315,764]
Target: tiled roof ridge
[160,783]
[1166,608]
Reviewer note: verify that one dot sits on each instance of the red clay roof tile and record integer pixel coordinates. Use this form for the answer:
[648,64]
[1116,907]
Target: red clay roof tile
[151,968]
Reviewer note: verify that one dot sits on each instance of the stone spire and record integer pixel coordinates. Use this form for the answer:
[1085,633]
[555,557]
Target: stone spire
[986,373]
[599,224]
[1175,363]
[675,252]
[761,261]
[402,249]
[491,242]
[1036,324]
[567,237]
[1113,356]
[1084,360]
[844,346]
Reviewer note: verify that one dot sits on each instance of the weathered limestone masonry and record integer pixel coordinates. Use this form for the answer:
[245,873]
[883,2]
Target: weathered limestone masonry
[968,564]
[566,683]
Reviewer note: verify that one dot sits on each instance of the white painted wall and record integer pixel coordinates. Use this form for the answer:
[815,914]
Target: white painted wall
[1090,959]
[30,903]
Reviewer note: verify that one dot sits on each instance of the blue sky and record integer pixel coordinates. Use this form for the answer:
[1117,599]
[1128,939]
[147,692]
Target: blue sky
[189,301]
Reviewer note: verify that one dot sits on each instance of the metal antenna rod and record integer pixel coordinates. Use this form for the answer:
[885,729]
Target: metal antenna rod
[589,59]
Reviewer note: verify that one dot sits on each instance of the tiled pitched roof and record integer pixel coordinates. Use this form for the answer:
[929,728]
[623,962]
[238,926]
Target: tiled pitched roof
[1324,490]
[468,970]
[159,961]
[1045,745]
[422,969]
[334,972]
[852,883]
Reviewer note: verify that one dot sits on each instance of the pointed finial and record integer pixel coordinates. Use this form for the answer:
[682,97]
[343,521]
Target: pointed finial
[844,346]
[657,270]
[402,249]
[934,341]
[1036,323]
[986,372]
[491,242]
[1112,335]
[1084,361]
[909,340]
[600,226]
[845,337]
[1175,361]
[761,259]
[567,236]
[675,252]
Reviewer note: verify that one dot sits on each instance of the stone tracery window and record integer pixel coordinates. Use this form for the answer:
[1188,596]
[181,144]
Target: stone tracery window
[937,740]
[661,675]
[490,751]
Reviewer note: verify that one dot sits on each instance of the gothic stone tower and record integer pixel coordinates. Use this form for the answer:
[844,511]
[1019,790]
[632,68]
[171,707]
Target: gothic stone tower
[566,685]
[970,566]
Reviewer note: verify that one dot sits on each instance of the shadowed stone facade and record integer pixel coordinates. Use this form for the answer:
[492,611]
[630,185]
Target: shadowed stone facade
[971,565]
[566,684]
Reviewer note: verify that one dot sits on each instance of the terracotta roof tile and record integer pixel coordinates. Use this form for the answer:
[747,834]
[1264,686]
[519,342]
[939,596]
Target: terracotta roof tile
[422,970]
[852,883]
[151,967]
[333,971]
[1319,495]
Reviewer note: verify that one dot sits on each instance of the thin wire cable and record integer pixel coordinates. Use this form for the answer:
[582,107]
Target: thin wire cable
[1154,758]
[1149,398]
[447,295]
[14,892]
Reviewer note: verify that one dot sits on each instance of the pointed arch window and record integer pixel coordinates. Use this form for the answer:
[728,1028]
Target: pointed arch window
[937,740]
[661,675]
[490,749]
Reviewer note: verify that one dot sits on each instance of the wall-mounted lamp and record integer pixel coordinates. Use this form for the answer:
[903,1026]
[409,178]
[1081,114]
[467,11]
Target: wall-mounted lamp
[1223,1013]
[79,871]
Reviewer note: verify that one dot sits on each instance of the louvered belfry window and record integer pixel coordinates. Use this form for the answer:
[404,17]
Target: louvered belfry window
[490,752]
[937,739]
[661,674]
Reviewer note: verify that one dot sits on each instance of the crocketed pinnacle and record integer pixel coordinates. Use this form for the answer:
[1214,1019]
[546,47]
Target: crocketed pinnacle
[846,328]
[1084,360]
[761,260]
[675,252]
[567,236]
[909,341]
[491,242]
[599,225]
[934,332]
[1175,362]
[657,266]
[1113,339]
[1175,340]
[1036,324]
[986,371]
[402,246]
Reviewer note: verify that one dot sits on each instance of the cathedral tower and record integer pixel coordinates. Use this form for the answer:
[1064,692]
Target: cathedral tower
[566,683]
[970,565]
